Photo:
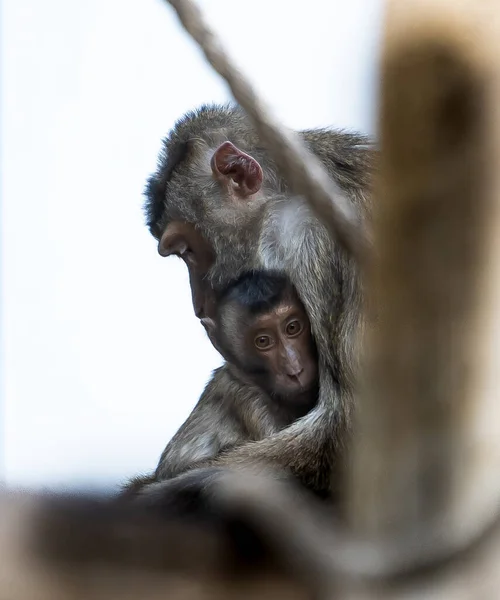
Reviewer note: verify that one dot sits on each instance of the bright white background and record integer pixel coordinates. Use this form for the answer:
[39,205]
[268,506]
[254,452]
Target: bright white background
[102,358]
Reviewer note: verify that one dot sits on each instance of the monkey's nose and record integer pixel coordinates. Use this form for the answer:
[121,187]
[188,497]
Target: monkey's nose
[295,373]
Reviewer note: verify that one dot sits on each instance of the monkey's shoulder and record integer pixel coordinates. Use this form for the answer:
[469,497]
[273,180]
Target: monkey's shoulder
[289,225]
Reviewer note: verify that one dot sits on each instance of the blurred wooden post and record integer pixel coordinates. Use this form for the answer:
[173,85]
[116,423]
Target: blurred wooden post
[426,458]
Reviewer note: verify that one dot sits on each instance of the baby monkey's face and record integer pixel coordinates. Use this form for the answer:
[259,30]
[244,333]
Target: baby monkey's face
[273,347]
[281,343]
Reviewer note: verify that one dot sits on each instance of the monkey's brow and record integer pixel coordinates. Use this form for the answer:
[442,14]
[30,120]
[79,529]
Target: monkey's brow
[196,139]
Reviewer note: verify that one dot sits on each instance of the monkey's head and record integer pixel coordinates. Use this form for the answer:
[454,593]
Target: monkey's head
[206,198]
[262,327]
[210,171]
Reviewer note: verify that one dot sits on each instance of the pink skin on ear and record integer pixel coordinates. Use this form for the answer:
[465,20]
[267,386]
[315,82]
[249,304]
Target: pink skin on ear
[236,167]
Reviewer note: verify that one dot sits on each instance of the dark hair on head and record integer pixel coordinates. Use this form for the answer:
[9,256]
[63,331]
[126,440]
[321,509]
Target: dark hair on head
[176,146]
[257,291]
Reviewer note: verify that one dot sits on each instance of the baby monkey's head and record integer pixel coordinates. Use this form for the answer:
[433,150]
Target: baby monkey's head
[260,325]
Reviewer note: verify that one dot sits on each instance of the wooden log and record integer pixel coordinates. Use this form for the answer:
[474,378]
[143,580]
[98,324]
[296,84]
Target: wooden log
[427,444]
[90,548]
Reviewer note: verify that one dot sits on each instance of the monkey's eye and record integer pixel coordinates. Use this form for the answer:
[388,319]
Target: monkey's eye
[263,342]
[293,328]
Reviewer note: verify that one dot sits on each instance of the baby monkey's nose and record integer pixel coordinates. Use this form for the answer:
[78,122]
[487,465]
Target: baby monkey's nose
[295,373]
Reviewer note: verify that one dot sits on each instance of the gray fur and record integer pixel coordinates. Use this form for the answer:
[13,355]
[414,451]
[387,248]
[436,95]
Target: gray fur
[230,411]
[277,231]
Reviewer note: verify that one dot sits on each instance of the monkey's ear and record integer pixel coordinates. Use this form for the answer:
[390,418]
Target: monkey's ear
[236,167]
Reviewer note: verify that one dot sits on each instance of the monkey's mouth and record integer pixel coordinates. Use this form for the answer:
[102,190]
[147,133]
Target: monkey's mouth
[296,384]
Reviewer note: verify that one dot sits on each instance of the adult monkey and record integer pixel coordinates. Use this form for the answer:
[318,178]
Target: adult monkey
[217,201]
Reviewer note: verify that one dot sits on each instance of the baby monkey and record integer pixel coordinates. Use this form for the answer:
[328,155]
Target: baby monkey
[261,328]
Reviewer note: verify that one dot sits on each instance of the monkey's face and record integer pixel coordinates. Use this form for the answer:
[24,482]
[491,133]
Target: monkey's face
[223,184]
[220,189]
[185,241]
[281,347]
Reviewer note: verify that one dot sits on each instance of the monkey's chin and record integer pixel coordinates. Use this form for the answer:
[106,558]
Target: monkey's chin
[296,392]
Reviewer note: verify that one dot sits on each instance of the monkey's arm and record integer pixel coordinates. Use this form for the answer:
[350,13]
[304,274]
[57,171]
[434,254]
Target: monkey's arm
[311,449]
[229,413]
[302,450]
[213,426]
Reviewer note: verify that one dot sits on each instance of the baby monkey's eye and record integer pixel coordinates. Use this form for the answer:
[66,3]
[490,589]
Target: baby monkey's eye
[293,328]
[263,342]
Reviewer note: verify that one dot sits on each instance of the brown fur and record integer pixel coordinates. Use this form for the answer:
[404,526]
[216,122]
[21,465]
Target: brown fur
[276,231]
[83,549]
[243,401]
